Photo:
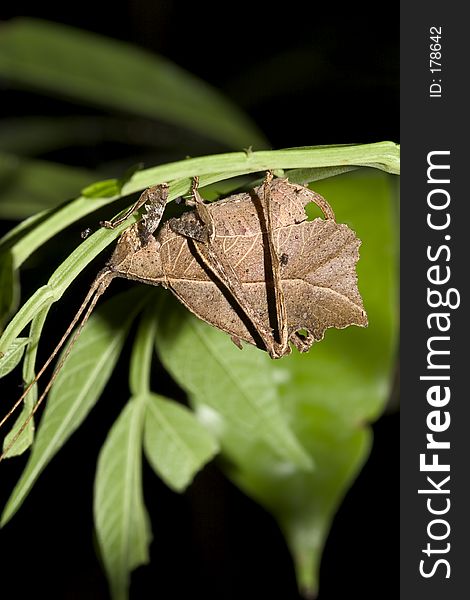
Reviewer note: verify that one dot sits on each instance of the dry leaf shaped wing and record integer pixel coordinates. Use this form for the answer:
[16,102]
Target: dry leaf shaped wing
[317,265]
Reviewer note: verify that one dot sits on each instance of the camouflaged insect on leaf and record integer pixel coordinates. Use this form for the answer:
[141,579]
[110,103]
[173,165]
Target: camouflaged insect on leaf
[317,264]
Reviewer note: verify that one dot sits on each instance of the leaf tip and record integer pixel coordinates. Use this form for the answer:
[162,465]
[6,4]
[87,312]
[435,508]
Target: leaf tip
[306,570]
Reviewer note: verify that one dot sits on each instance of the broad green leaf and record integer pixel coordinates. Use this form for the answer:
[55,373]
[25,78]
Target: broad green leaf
[331,393]
[28,186]
[176,444]
[82,66]
[121,521]
[226,384]
[79,385]
[13,355]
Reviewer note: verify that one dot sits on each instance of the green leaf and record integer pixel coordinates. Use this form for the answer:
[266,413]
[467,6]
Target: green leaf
[9,287]
[82,66]
[20,442]
[21,436]
[176,444]
[79,385]
[111,187]
[121,521]
[142,352]
[28,186]
[13,355]
[108,188]
[305,176]
[225,384]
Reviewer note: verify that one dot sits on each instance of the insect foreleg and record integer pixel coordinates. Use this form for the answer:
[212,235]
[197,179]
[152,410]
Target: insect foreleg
[154,198]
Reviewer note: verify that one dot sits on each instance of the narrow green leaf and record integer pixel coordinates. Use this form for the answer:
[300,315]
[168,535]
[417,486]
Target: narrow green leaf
[25,439]
[225,187]
[79,385]
[28,186]
[305,176]
[15,234]
[9,287]
[141,358]
[176,444]
[82,66]
[108,188]
[13,355]
[225,383]
[62,277]
[121,521]
[384,155]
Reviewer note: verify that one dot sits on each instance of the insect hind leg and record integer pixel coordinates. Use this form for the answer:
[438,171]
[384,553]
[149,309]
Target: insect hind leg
[196,225]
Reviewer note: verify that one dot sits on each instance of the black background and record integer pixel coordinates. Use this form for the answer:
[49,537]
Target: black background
[320,74]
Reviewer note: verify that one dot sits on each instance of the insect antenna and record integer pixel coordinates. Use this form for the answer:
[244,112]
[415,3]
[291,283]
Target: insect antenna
[97,288]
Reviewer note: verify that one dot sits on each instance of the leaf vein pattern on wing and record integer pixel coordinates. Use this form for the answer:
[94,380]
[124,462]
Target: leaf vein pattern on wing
[336,254]
[246,253]
[182,244]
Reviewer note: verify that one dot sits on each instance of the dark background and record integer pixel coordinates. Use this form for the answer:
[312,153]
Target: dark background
[311,75]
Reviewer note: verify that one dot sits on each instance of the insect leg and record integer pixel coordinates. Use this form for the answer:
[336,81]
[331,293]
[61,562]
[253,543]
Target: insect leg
[98,287]
[155,196]
[203,234]
[282,345]
[323,205]
[224,271]
[203,211]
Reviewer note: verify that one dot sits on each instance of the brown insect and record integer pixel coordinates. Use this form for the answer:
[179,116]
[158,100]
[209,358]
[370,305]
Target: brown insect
[251,265]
